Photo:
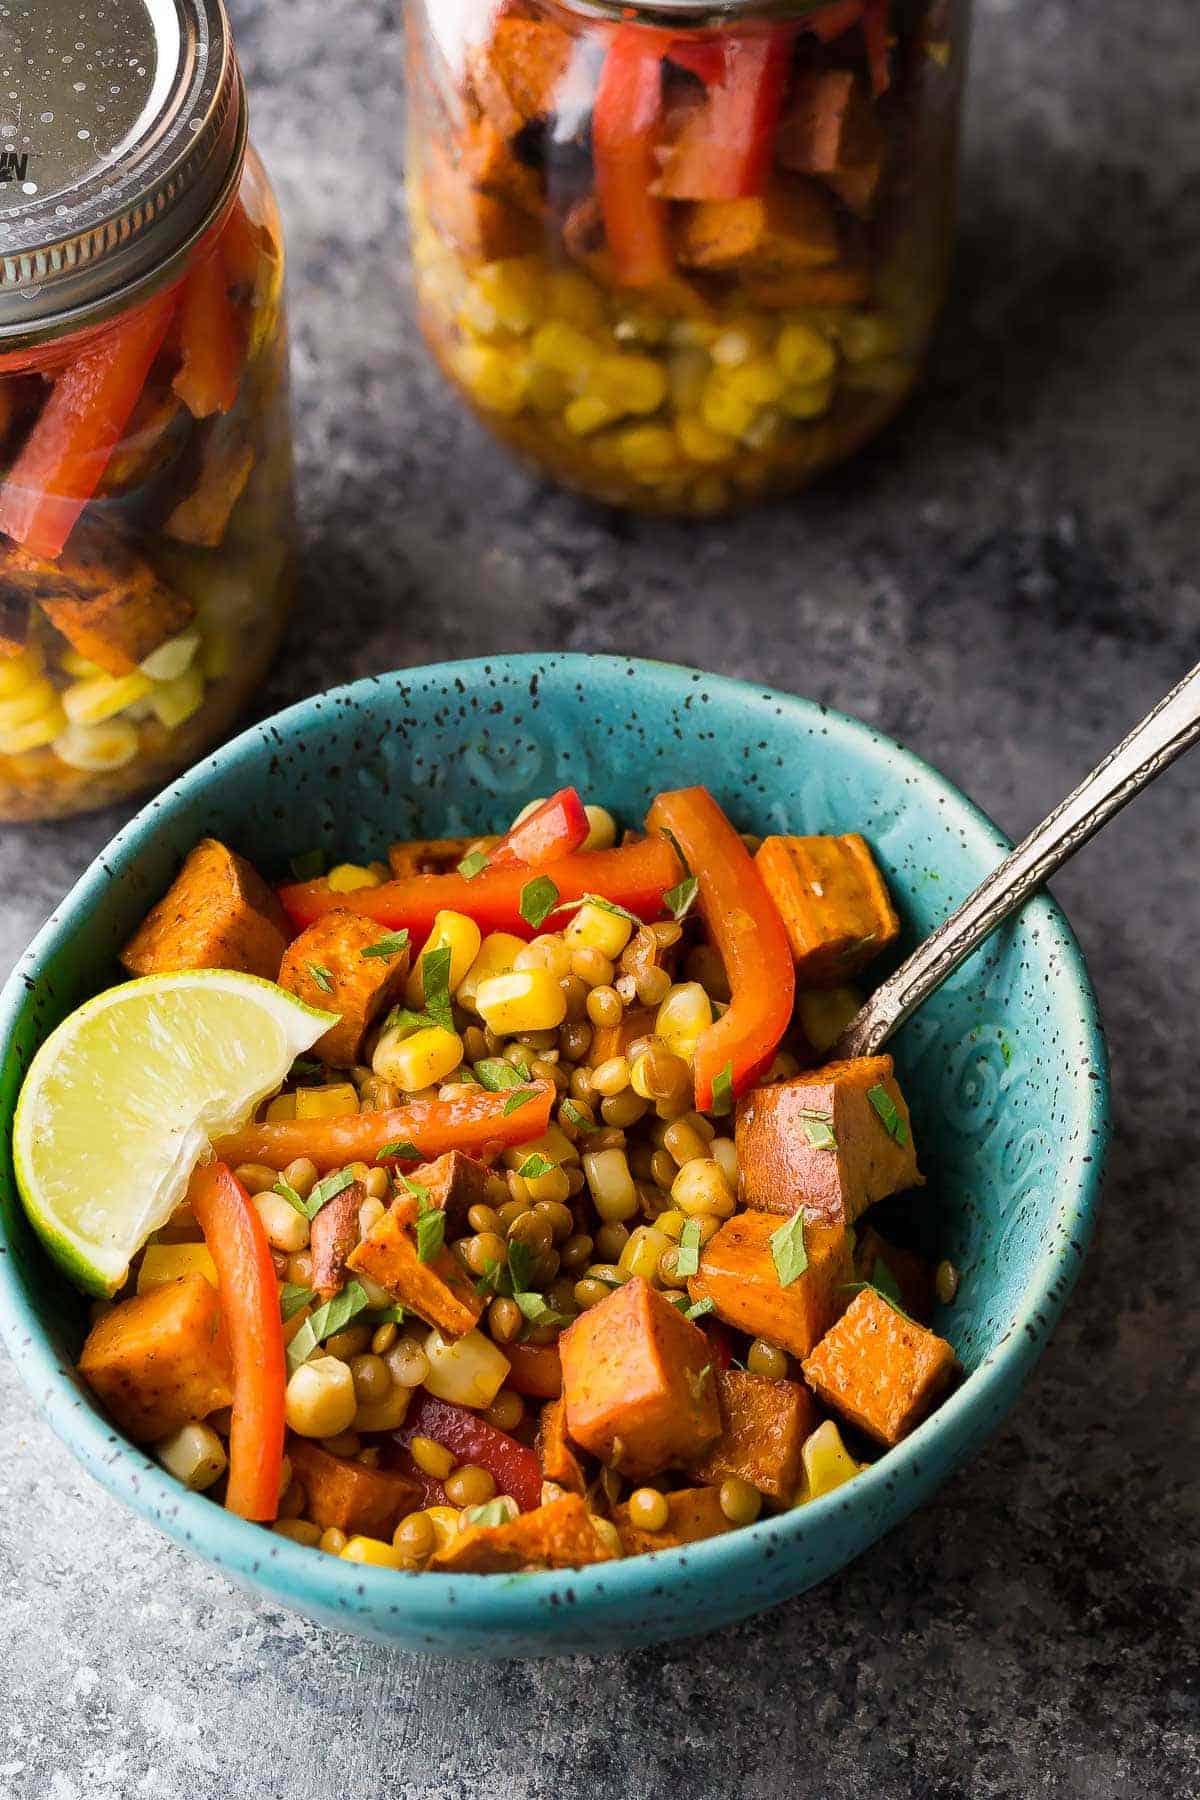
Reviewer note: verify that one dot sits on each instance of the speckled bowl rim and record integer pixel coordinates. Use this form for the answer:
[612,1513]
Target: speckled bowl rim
[521,1603]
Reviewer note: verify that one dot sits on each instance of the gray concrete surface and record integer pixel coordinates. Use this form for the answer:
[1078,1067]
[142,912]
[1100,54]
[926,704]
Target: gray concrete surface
[1005,583]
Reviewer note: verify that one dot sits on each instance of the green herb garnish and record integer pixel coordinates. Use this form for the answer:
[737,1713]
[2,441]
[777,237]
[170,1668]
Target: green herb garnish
[287,1192]
[399,1148]
[678,900]
[391,945]
[534,1166]
[722,1091]
[308,865]
[574,1115]
[688,1260]
[322,977]
[701,1307]
[326,1322]
[405,1022]
[292,1296]
[677,847]
[327,1190]
[818,1131]
[306,1070]
[885,1106]
[537,1309]
[539,898]
[473,865]
[885,1283]
[788,1252]
[488,1513]
[496,1074]
[384,1315]
[608,906]
[516,1101]
[435,980]
[431,1233]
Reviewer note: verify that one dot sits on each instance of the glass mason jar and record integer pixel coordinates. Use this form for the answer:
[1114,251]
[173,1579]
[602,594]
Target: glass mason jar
[682,256]
[146,510]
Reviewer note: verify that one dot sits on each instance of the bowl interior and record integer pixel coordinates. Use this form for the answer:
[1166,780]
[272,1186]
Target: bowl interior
[1004,1067]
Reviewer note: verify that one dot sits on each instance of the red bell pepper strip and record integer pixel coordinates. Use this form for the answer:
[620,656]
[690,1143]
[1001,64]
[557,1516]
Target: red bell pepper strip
[725,148]
[474,1121]
[242,247]
[626,125]
[64,457]
[400,1462]
[249,1293]
[748,932]
[514,1468]
[720,1342]
[878,42]
[207,379]
[635,876]
[536,1370]
[702,57]
[559,826]
[833,21]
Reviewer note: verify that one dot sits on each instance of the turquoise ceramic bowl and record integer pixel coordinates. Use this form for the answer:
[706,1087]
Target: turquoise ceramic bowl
[1005,1070]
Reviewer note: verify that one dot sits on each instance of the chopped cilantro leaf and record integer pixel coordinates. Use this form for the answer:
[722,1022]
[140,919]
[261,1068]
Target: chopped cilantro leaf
[538,900]
[608,906]
[404,1021]
[390,945]
[787,1250]
[678,900]
[722,1091]
[435,979]
[516,1101]
[327,1190]
[688,1260]
[535,1165]
[818,1131]
[885,1106]
[287,1192]
[574,1115]
[701,1307]
[473,865]
[292,1296]
[399,1148]
[322,977]
[537,1310]
[496,1074]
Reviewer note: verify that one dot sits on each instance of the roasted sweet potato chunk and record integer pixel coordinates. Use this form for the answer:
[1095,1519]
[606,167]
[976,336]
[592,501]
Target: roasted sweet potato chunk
[218,913]
[433,856]
[738,1274]
[455,1182]
[559,1535]
[160,1359]
[203,515]
[514,77]
[102,595]
[334,1235]
[846,283]
[330,965]
[830,129]
[559,1462]
[763,1428]
[879,1370]
[438,1291]
[638,1382]
[693,1514]
[834,904]
[827,1143]
[347,1495]
[791,226]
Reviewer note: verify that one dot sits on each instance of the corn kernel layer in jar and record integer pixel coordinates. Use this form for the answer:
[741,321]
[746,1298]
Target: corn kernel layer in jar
[683,270]
[147,517]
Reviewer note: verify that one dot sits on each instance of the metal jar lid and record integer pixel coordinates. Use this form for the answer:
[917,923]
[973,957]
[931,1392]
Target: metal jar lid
[122,134]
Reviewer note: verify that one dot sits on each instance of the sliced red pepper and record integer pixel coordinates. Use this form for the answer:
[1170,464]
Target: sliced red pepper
[720,1342]
[725,148]
[746,928]
[249,1293]
[474,1121]
[207,379]
[242,244]
[514,1468]
[559,826]
[536,1370]
[400,1462]
[877,38]
[65,455]
[702,57]
[834,21]
[635,876]
[626,126]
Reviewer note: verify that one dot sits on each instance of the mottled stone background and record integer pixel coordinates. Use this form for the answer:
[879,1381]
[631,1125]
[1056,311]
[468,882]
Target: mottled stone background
[1006,582]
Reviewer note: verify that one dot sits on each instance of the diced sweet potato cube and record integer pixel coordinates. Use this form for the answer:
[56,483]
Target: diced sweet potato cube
[106,599]
[203,515]
[334,1235]
[326,966]
[348,1496]
[433,856]
[160,1359]
[830,129]
[693,1514]
[827,1143]
[835,907]
[763,1428]
[737,1273]
[791,226]
[912,1275]
[879,1370]
[559,1535]
[514,77]
[838,284]
[638,1382]
[613,1040]
[438,1291]
[455,1182]
[481,225]
[217,914]
[559,1462]
[494,169]
[150,438]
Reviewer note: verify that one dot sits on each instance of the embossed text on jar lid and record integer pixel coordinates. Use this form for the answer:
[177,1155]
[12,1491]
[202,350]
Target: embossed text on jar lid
[122,130]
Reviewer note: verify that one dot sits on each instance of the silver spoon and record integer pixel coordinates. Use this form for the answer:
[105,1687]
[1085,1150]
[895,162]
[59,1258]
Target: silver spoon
[1165,733]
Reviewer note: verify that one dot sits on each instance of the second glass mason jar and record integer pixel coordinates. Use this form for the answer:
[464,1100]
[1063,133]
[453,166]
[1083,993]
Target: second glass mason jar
[146,510]
[683,256]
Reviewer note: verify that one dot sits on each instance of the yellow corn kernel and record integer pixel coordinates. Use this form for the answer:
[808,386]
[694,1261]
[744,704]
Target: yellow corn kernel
[175,701]
[162,1263]
[444,1520]
[803,355]
[758,381]
[30,701]
[574,299]
[827,1463]
[700,442]
[824,1014]
[808,402]
[514,289]
[169,661]
[300,1531]
[345,877]
[332,1101]
[687,373]
[418,1061]
[671,1223]
[496,956]
[524,1000]
[865,336]
[591,928]
[612,1188]
[467,1371]
[723,410]
[36,732]
[82,667]
[452,931]
[641,1252]
[602,829]
[16,672]
[103,697]
[283,1106]
[633,384]
[648,451]
[589,413]
[494,377]
[554,1145]
[547,391]
[215,654]
[683,1015]
[557,345]
[97,748]
[374,1551]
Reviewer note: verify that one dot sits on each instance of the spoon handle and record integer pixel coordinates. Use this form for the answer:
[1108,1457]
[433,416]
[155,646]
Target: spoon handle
[1165,733]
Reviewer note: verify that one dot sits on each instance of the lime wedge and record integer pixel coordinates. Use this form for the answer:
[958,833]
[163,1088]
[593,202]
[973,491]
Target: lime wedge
[120,1102]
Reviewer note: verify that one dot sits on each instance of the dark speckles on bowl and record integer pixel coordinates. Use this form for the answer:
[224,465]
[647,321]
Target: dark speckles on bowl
[1004,1068]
